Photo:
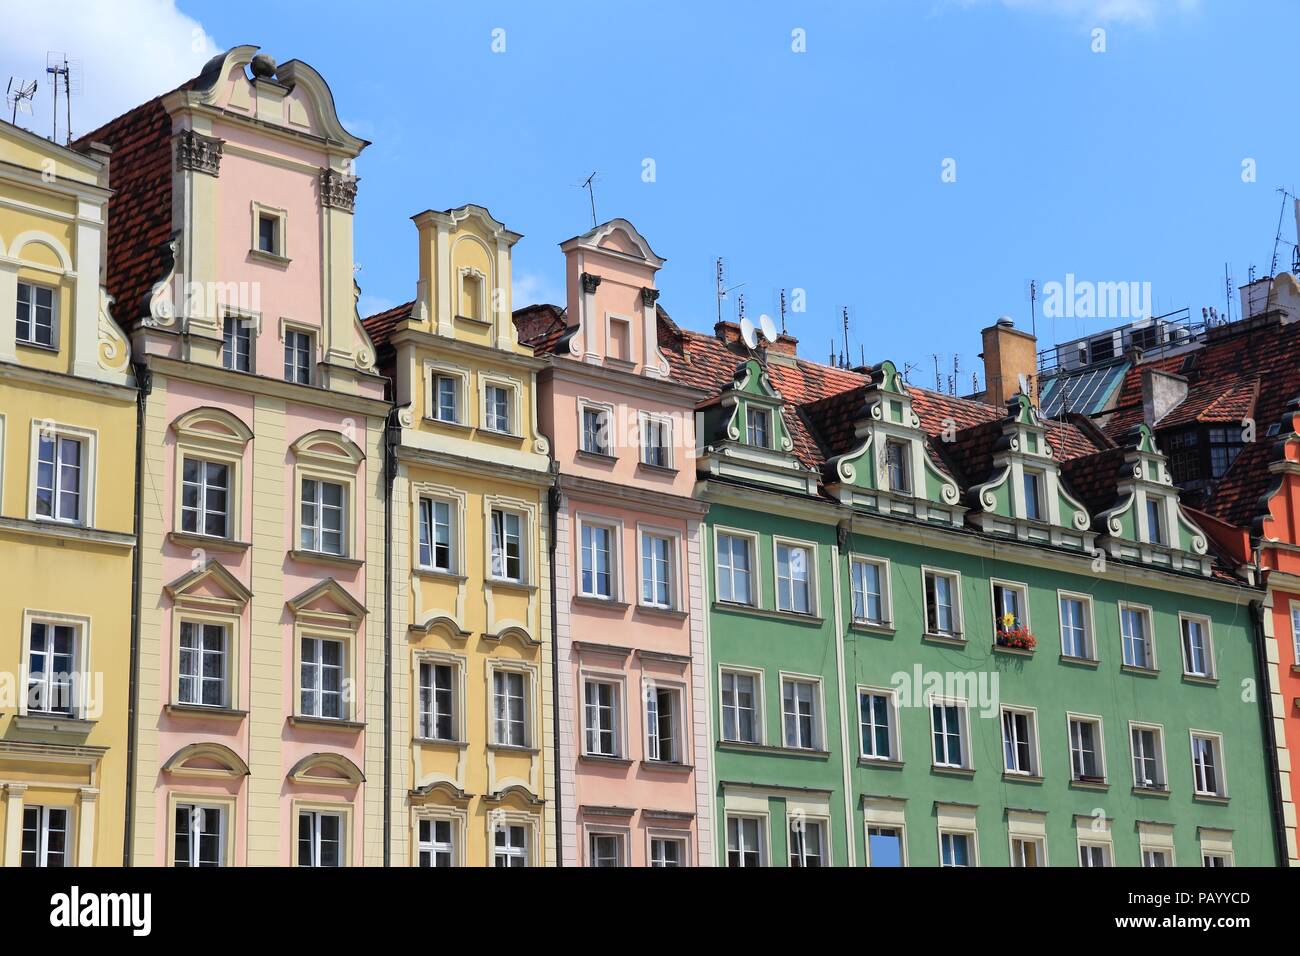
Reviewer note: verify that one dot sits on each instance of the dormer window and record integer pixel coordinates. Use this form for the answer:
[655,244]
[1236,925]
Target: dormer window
[758,427]
[1033,495]
[896,465]
[1156,520]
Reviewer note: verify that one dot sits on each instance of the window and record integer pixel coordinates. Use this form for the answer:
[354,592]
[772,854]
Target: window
[598,557]
[896,466]
[758,427]
[1076,627]
[437,846]
[663,725]
[877,722]
[606,850]
[510,708]
[745,841]
[436,535]
[1156,858]
[205,497]
[870,601]
[45,836]
[1207,765]
[202,672]
[800,715]
[1094,854]
[657,442]
[1135,626]
[1148,758]
[1086,763]
[1026,851]
[734,569]
[666,852]
[236,344]
[1010,611]
[601,718]
[320,838]
[322,678]
[1033,495]
[507,546]
[446,393]
[60,474]
[37,307]
[510,846]
[1225,445]
[1295,629]
[595,431]
[885,846]
[323,523]
[955,849]
[1155,520]
[793,575]
[200,835]
[297,357]
[1198,652]
[1214,860]
[51,663]
[437,701]
[740,707]
[948,726]
[807,843]
[1019,742]
[657,575]
[268,234]
[498,417]
[941,609]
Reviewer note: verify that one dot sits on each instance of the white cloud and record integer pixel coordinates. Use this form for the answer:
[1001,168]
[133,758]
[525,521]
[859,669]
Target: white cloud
[1100,11]
[129,50]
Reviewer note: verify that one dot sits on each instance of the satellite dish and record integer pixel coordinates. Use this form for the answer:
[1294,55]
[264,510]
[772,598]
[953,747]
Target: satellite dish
[747,333]
[768,326]
[1024,384]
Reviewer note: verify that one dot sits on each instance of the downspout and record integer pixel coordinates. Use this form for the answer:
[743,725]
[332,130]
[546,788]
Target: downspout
[553,520]
[144,385]
[843,546]
[1264,681]
[392,436]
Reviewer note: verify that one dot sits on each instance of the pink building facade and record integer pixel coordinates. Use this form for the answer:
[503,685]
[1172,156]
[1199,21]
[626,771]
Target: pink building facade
[633,768]
[259,712]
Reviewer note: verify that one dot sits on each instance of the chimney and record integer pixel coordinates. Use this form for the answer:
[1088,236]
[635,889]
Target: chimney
[728,333]
[785,344]
[1008,354]
[1162,392]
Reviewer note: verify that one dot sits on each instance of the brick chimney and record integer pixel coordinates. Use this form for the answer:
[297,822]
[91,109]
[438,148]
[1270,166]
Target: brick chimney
[1008,354]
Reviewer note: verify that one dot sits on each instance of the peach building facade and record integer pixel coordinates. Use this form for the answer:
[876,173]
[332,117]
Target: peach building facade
[633,748]
[259,722]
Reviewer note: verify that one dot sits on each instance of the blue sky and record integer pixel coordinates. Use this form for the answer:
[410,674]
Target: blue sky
[818,170]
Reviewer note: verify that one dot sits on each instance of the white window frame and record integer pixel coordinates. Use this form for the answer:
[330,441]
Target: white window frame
[200,625]
[618,714]
[529,692]
[1040,501]
[292,355]
[883,568]
[760,715]
[433,660]
[972,844]
[614,528]
[1099,743]
[512,407]
[1156,504]
[508,851]
[1036,766]
[317,527]
[453,532]
[1021,590]
[281,217]
[202,511]
[959,624]
[1106,846]
[1149,632]
[55,316]
[673,539]
[193,833]
[755,568]
[768,414]
[525,544]
[895,754]
[682,839]
[1089,630]
[1159,731]
[605,425]
[1040,842]
[653,739]
[1220,769]
[665,427]
[761,831]
[1295,629]
[317,813]
[238,322]
[43,832]
[77,679]
[824,828]
[451,847]
[620,853]
[963,731]
[89,439]
[317,707]
[818,743]
[1207,633]
[795,544]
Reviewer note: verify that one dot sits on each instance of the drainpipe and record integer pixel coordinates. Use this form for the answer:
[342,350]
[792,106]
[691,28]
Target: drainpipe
[553,520]
[1263,679]
[844,547]
[144,385]
[392,437]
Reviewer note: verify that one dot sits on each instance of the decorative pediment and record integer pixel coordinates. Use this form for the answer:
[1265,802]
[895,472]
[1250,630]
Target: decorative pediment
[1024,496]
[515,793]
[440,624]
[1147,523]
[887,467]
[206,759]
[442,788]
[330,448]
[518,634]
[328,770]
[620,238]
[327,604]
[210,586]
[213,428]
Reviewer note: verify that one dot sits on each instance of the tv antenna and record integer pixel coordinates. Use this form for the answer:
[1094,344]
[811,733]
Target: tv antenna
[1277,236]
[1033,316]
[783,311]
[19,95]
[589,185]
[722,286]
[845,316]
[68,72]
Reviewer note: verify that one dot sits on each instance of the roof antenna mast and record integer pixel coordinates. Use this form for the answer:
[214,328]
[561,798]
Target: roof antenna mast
[589,185]
[783,311]
[846,360]
[20,94]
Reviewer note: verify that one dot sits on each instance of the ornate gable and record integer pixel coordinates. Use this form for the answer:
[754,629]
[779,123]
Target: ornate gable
[888,469]
[1024,496]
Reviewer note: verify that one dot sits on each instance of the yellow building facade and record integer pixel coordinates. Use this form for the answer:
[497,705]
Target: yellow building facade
[472,712]
[67,513]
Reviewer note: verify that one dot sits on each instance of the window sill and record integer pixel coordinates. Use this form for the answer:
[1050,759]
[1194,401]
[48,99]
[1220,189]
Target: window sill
[271,258]
[1078,784]
[326,723]
[881,762]
[1013,651]
[37,346]
[332,560]
[876,629]
[513,748]
[1139,671]
[739,745]
[1021,777]
[791,617]
[595,457]
[952,771]
[1080,661]
[475,321]
[947,640]
[440,742]
[1210,798]
[605,759]
[201,711]
[54,723]
[590,600]
[667,766]
[667,471]
[434,574]
[459,426]
[188,539]
[520,586]
[671,612]
[1200,679]
[1161,792]
[485,432]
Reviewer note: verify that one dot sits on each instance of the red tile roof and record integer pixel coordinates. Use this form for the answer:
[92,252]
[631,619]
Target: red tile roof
[380,325]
